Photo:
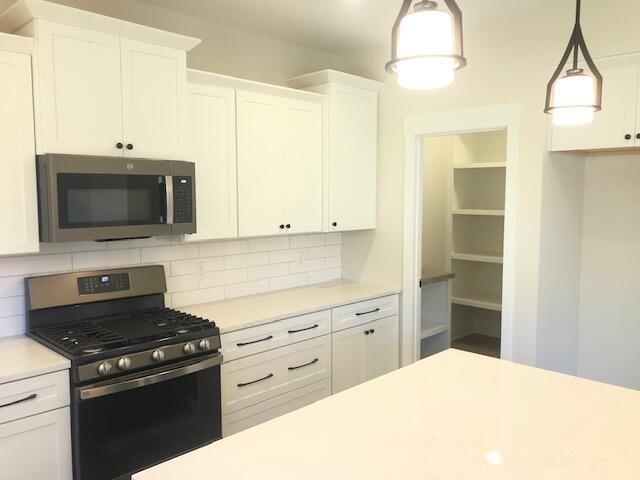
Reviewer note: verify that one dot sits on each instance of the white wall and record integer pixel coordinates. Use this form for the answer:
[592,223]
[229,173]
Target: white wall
[436,168]
[509,61]
[609,322]
[196,272]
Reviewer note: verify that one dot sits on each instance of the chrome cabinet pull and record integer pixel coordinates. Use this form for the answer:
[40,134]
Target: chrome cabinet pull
[315,360]
[25,399]
[367,313]
[240,385]
[244,344]
[304,329]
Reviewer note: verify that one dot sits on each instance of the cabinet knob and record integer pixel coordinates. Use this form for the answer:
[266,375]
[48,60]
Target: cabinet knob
[335,224]
[119,145]
[129,146]
[373,330]
[638,136]
[288,225]
[367,332]
[282,227]
[627,136]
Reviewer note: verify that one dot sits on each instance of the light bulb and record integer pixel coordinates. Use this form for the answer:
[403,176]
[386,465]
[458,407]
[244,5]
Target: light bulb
[422,36]
[573,100]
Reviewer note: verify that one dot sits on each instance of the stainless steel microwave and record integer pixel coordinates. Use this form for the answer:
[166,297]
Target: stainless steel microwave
[113,198]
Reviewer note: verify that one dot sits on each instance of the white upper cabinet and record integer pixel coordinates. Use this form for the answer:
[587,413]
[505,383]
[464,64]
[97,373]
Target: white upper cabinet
[103,86]
[279,164]
[260,161]
[302,167]
[211,144]
[153,98]
[18,198]
[79,105]
[351,148]
[615,125]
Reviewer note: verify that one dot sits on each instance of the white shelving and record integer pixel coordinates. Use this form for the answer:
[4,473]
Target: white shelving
[477,207]
[431,329]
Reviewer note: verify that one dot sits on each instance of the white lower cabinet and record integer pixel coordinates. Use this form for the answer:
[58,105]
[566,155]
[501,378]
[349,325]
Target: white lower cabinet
[251,416]
[364,352]
[276,368]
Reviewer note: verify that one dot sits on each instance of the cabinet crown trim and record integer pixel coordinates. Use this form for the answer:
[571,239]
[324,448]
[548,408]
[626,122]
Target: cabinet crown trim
[202,77]
[23,11]
[16,44]
[334,76]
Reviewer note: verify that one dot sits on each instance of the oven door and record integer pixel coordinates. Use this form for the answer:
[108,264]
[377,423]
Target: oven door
[103,198]
[130,424]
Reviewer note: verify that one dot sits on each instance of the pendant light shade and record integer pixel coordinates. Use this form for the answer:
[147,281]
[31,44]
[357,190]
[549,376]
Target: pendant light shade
[573,98]
[427,45]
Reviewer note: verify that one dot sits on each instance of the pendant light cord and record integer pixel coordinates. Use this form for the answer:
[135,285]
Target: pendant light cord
[575,49]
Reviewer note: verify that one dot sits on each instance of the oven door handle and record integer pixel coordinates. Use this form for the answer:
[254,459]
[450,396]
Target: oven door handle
[168,184]
[96,392]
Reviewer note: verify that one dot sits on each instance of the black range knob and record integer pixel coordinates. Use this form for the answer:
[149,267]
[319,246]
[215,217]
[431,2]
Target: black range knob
[627,136]
[129,146]
[119,145]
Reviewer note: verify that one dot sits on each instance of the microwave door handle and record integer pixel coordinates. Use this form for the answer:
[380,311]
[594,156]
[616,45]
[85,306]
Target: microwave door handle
[169,192]
[96,392]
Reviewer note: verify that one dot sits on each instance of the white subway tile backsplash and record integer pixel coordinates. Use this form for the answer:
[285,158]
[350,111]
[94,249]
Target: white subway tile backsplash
[244,289]
[217,249]
[196,272]
[34,264]
[225,277]
[300,241]
[290,281]
[307,266]
[107,258]
[169,253]
[11,306]
[247,260]
[194,297]
[266,271]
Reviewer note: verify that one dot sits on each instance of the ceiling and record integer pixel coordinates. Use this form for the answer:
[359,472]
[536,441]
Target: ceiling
[329,25]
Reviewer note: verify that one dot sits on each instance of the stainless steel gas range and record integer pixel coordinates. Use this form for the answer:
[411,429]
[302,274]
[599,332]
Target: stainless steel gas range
[145,379]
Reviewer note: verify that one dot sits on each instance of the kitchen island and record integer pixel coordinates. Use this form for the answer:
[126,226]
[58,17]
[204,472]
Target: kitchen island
[455,415]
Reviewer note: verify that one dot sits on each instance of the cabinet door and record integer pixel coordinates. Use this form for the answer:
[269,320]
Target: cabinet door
[353,134]
[211,144]
[154,81]
[46,438]
[616,119]
[260,156]
[302,168]
[18,198]
[78,90]
[381,347]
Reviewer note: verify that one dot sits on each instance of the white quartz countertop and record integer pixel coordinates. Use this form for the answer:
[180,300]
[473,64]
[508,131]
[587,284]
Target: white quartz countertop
[22,357]
[244,312]
[452,416]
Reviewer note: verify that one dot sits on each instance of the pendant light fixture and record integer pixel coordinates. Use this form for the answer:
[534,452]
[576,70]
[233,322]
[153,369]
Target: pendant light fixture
[426,45]
[573,98]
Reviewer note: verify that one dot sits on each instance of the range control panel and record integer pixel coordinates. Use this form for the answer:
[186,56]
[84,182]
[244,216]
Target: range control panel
[182,203]
[106,283]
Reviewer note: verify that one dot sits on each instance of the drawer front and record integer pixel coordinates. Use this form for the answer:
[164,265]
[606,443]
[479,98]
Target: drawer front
[274,335]
[251,416]
[363,312]
[254,379]
[33,395]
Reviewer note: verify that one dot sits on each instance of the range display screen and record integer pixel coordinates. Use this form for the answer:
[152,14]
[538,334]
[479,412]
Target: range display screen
[104,283]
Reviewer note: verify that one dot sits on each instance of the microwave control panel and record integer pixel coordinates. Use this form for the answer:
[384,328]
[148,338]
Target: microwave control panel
[182,199]
[106,283]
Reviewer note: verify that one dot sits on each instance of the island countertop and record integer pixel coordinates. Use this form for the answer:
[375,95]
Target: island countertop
[455,415]
[244,312]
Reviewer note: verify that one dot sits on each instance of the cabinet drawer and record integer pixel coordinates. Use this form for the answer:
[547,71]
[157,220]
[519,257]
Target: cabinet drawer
[254,379]
[275,407]
[363,312]
[33,395]
[273,335]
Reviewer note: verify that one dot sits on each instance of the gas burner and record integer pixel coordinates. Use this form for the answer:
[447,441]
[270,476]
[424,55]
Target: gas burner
[83,338]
